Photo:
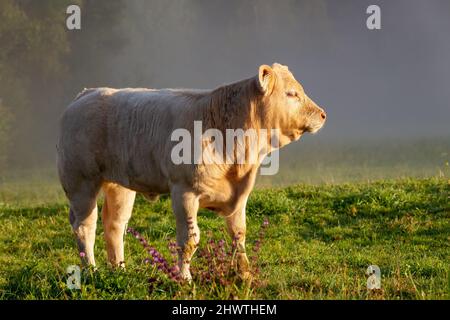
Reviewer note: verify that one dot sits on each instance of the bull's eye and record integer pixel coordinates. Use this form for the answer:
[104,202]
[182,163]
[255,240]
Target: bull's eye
[292,94]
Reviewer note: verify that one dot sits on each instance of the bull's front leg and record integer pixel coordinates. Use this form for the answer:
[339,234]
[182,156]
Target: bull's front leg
[236,226]
[185,206]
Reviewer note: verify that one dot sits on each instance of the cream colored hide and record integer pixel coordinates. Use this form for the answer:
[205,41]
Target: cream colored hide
[119,140]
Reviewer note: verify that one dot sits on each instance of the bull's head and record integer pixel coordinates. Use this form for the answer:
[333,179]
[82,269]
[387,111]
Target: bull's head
[288,108]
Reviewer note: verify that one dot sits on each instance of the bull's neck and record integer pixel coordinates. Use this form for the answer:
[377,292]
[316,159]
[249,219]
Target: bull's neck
[232,106]
[238,106]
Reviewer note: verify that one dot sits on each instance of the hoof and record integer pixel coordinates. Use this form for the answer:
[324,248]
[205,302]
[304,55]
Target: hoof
[186,276]
[117,266]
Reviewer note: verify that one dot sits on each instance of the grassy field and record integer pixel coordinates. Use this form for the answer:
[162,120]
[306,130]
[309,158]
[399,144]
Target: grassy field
[318,245]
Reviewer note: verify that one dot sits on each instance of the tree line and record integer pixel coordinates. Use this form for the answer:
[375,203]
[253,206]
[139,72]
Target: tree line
[43,65]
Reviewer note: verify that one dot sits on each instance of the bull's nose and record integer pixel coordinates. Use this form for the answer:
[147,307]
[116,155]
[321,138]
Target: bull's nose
[323,115]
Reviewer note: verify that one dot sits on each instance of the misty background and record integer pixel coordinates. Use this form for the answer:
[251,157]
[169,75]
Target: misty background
[386,92]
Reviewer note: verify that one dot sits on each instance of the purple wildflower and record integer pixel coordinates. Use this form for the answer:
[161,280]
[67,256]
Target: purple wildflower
[214,260]
[156,259]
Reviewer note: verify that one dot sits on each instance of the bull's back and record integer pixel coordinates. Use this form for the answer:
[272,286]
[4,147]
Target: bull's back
[120,135]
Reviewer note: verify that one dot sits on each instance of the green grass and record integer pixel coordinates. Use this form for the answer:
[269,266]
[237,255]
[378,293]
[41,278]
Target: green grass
[320,241]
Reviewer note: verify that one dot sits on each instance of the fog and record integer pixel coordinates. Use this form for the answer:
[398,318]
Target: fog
[388,84]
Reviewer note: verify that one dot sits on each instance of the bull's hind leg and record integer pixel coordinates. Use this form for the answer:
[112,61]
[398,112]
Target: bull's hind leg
[115,215]
[83,218]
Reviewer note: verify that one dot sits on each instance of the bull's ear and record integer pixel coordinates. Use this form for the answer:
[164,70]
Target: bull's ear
[266,77]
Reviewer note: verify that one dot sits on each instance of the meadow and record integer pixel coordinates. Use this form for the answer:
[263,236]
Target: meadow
[324,230]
